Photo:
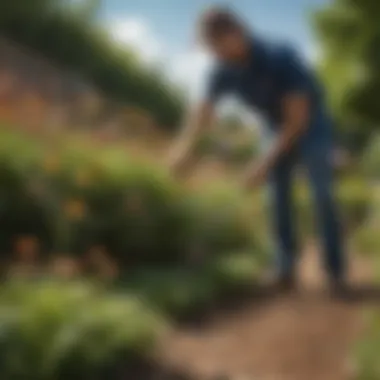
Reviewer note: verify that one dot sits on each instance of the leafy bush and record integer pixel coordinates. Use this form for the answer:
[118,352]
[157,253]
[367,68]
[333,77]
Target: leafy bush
[178,291]
[22,210]
[243,153]
[233,152]
[354,201]
[355,197]
[371,159]
[70,330]
[74,196]
[367,239]
[367,351]
[220,220]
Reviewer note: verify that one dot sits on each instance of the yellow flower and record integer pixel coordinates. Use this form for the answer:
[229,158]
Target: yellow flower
[75,209]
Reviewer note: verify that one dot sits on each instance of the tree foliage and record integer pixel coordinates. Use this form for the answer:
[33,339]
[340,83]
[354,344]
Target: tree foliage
[69,34]
[349,32]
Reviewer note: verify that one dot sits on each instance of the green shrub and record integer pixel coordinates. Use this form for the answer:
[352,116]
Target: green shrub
[71,330]
[23,209]
[354,202]
[367,240]
[243,153]
[136,213]
[182,290]
[371,159]
[237,270]
[232,152]
[220,221]
[355,196]
[367,351]
[74,196]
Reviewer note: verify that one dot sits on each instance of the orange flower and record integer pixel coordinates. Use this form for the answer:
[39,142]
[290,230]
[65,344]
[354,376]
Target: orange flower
[75,209]
[51,164]
[26,248]
[83,178]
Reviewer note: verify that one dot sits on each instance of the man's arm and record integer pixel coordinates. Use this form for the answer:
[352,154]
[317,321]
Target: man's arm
[199,119]
[296,111]
[297,85]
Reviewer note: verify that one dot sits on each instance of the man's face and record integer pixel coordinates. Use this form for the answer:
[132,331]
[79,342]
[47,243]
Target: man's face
[231,47]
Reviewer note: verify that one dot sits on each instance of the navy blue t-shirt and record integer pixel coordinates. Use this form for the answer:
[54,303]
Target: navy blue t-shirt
[272,72]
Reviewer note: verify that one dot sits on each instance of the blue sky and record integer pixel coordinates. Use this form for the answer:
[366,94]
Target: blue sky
[162,30]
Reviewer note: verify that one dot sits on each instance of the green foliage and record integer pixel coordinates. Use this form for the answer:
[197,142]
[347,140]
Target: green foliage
[366,240]
[72,37]
[349,33]
[354,199]
[184,290]
[367,351]
[220,220]
[371,159]
[229,143]
[52,330]
[74,197]
[176,249]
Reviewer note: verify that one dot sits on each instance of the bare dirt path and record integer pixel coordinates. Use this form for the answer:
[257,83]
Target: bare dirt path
[302,336]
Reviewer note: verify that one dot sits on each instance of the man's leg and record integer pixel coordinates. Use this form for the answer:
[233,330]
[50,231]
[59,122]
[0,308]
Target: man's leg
[281,191]
[318,160]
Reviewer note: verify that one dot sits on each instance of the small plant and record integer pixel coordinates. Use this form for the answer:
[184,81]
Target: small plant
[53,330]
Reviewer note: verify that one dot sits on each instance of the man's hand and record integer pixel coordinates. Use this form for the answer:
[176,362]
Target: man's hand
[296,115]
[181,158]
[177,163]
[255,176]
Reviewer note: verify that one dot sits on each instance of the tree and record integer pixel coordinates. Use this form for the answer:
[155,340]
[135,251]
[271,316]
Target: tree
[69,33]
[349,33]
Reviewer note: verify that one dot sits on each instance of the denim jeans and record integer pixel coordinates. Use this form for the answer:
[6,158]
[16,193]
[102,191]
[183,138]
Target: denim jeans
[314,153]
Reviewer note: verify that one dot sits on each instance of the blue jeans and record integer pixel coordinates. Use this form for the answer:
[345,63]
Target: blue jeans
[314,153]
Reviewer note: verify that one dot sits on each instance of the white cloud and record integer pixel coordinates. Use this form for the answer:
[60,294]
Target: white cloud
[190,69]
[138,35]
[187,68]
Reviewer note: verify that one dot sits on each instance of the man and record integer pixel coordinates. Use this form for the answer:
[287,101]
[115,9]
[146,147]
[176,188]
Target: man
[274,81]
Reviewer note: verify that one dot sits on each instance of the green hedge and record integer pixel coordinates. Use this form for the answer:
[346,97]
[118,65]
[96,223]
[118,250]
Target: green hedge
[371,158]
[74,196]
[366,239]
[237,153]
[180,291]
[367,351]
[52,330]
[354,198]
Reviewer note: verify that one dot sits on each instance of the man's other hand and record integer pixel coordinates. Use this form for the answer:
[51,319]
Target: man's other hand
[255,176]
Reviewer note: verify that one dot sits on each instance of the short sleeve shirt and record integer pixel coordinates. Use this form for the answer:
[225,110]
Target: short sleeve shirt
[272,72]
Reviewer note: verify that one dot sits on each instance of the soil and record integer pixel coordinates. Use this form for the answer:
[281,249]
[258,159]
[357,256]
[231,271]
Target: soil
[303,335]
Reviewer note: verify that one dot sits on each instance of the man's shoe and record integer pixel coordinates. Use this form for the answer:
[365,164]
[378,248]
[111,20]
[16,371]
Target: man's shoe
[339,288]
[285,283]
[278,283]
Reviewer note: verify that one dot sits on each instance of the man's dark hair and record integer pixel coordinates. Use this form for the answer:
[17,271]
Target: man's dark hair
[217,22]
